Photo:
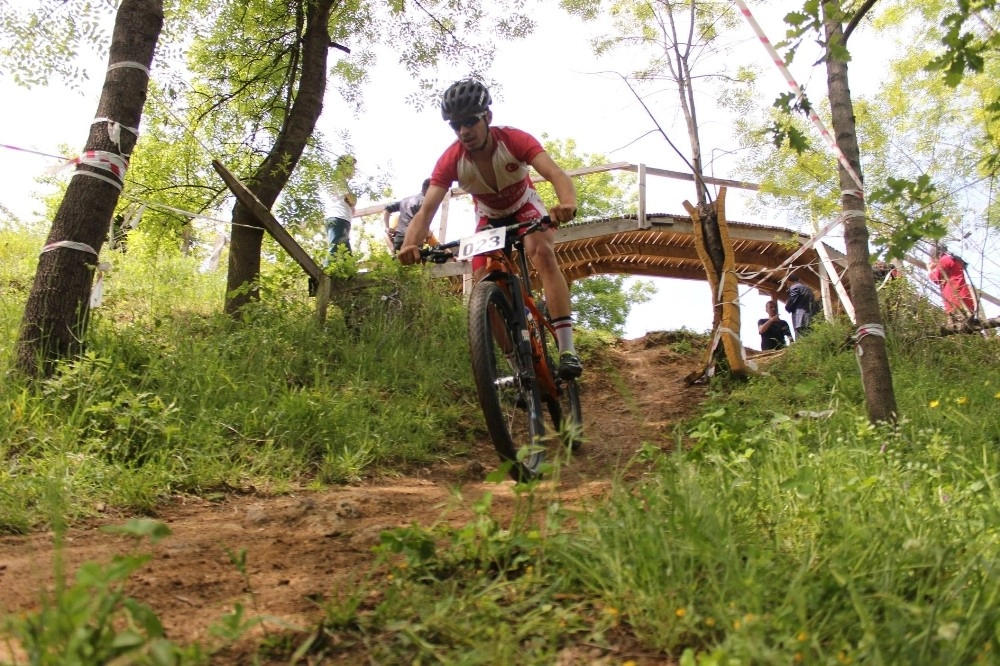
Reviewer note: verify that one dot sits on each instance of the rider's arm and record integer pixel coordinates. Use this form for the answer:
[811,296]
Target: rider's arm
[420,225]
[562,184]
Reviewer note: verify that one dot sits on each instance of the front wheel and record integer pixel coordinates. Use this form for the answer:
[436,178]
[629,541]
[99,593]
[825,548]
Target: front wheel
[508,393]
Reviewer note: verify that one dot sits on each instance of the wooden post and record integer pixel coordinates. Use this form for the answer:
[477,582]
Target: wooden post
[285,240]
[443,226]
[467,285]
[824,291]
[643,222]
[845,300]
[323,298]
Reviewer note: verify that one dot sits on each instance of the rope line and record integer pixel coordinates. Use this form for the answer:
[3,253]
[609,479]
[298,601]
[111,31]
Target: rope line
[800,95]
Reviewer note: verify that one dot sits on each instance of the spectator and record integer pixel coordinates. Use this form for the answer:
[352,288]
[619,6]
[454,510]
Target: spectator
[773,330]
[431,239]
[406,208]
[391,221]
[948,272]
[801,304]
[885,271]
[338,224]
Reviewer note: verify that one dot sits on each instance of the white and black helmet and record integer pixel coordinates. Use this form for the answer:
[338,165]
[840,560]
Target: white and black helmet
[463,99]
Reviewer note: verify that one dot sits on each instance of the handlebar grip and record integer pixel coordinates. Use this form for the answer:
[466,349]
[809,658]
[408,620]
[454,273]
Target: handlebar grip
[443,256]
[438,254]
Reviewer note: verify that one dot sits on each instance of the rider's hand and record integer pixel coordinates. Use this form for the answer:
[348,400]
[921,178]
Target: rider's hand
[562,213]
[408,255]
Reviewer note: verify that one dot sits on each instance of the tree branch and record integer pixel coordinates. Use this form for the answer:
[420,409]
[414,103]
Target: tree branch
[858,15]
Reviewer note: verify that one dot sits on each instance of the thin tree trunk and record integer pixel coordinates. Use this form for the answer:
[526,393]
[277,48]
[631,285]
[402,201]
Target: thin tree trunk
[872,354]
[708,214]
[712,237]
[55,316]
[273,175]
[681,70]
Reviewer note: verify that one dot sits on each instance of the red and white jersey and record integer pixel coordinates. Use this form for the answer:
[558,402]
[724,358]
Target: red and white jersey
[514,151]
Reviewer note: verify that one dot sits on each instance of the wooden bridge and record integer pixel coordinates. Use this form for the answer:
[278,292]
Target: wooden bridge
[662,245]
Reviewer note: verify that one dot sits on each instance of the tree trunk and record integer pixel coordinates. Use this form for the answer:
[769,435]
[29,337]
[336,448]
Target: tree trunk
[872,355]
[274,172]
[712,237]
[55,316]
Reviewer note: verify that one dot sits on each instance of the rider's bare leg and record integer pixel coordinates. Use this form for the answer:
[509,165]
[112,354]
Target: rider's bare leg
[540,247]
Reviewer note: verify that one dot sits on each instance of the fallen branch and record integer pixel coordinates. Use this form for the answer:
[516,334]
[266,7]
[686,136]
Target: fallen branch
[970,326]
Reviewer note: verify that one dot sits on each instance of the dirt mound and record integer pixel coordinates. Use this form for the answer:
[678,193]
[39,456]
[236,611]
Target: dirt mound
[303,547]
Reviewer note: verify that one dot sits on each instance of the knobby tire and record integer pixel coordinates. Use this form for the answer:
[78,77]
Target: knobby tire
[509,399]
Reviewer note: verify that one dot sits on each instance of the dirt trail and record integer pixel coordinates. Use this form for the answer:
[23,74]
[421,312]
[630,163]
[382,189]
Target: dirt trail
[304,546]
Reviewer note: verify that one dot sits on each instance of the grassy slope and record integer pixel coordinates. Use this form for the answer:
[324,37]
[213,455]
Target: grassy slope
[772,538]
[789,530]
[172,397]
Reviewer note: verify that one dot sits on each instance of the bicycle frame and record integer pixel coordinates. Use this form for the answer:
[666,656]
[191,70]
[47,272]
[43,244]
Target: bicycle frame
[515,281]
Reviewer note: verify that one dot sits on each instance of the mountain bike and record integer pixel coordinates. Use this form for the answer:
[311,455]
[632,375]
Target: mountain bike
[512,344]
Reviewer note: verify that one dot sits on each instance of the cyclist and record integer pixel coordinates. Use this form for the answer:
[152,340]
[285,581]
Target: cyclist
[491,164]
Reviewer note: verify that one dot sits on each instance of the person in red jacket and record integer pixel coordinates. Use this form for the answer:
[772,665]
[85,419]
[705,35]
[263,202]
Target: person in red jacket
[948,272]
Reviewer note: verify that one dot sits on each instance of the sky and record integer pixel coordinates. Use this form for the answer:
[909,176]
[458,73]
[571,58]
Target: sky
[551,85]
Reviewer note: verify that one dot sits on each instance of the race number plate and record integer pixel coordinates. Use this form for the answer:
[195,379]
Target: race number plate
[486,240]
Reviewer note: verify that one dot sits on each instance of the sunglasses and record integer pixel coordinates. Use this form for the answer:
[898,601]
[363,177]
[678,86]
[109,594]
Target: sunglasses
[471,121]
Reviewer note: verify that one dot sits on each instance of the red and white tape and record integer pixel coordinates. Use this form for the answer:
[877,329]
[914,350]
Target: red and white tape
[780,64]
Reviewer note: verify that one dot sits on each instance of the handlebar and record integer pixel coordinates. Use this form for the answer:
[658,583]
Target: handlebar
[442,252]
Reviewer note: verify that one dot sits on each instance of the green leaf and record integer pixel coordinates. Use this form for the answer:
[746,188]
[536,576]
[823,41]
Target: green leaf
[145,617]
[140,527]
[803,483]
[163,652]
[127,639]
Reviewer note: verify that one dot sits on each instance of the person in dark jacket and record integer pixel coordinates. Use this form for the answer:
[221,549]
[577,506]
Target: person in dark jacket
[801,304]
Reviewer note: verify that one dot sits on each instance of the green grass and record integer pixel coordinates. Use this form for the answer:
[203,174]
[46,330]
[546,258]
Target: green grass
[785,529]
[171,397]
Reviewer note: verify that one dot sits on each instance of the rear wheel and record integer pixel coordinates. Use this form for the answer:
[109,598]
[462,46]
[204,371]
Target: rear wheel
[566,414]
[564,409]
[508,394]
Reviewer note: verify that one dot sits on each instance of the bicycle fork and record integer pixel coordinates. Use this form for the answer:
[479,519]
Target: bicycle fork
[524,378]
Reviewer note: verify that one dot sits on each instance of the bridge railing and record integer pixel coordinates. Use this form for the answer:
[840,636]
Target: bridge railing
[641,169]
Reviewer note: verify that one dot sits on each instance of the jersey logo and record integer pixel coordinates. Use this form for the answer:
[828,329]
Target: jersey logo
[512,167]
